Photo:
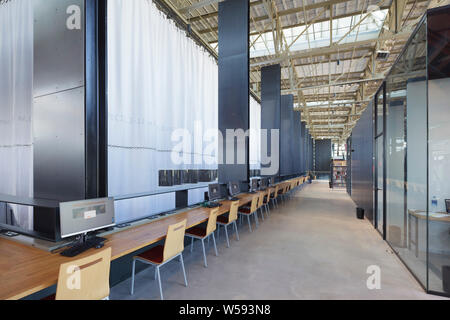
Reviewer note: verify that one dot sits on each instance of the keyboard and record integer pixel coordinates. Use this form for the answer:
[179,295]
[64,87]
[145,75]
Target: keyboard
[234,199]
[213,205]
[79,248]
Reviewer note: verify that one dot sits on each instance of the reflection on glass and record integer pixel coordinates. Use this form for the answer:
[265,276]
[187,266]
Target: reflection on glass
[439,151]
[406,155]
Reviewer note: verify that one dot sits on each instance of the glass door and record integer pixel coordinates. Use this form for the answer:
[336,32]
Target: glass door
[379,166]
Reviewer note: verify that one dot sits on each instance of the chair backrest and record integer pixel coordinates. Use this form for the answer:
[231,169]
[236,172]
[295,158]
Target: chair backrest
[174,240]
[86,278]
[275,195]
[254,204]
[212,221]
[233,215]
[269,192]
[262,194]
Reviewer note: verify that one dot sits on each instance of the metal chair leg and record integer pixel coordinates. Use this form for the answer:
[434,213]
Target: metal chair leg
[159,281]
[256,219]
[156,273]
[260,211]
[204,253]
[132,276]
[236,229]
[184,271]
[226,235]
[249,223]
[214,241]
[218,232]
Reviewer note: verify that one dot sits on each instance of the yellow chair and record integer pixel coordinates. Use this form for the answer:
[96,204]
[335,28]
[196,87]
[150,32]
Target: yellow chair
[266,201]
[274,196]
[249,211]
[201,233]
[160,255]
[226,221]
[261,197]
[85,278]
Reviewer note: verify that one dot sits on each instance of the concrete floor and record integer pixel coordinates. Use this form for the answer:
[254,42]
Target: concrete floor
[312,247]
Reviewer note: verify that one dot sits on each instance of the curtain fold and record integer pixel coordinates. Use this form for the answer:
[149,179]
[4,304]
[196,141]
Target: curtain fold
[159,80]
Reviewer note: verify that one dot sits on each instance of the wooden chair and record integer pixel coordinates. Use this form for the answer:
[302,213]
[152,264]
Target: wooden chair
[202,233]
[226,221]
[86,278]
[274,196]
[266,200]
[261,196]
[249,211]
[160,255]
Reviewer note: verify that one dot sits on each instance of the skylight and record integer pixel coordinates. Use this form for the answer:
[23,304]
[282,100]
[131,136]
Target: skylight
[318,34]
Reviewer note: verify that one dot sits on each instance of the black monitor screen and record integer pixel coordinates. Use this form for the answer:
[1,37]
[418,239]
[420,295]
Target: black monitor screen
[233,188]
[204,176]
[165,178]
[193,176]
[272,181]
[214,192]
[263,183]
[254,185]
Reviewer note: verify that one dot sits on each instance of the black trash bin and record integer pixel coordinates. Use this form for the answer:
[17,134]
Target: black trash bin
[360,213]
[446,278]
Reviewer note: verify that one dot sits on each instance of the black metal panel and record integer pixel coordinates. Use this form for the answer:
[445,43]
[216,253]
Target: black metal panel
[362,163]
[270,105]
[234,90]
[297,139]
[323,155]
[303,147]
[95,104]
[286,133]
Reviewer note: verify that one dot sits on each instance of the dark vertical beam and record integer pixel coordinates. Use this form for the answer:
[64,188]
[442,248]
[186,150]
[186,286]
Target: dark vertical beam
[234,87]
[270,107]
[286,132]
[303,148]
[95,99]
[297,138]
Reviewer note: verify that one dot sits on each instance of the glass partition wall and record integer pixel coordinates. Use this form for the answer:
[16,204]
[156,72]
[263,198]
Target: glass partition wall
[415,123]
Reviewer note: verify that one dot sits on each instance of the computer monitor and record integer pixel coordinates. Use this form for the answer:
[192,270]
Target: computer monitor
[263,183]
[165,178]
[272,181]
[177,177]
[214,192]
[80,217]
[254,185]
[193,176]
[233,188]
[204,176]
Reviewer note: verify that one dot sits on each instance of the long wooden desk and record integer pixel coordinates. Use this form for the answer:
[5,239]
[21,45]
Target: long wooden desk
[25,270]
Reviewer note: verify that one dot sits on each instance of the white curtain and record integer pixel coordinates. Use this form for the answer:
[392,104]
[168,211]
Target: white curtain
[16,100]
[159,80]
[255,134]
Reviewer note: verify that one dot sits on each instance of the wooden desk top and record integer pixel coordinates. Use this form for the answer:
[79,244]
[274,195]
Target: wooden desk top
[433,216]
[25,270]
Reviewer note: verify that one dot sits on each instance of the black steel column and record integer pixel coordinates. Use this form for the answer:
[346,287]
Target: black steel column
[303,148]
[297,138]
[234,90]
[270,108]
[96,133]
[286,134]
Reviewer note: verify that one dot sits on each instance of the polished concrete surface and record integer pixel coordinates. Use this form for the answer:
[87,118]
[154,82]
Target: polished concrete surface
[311,247]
